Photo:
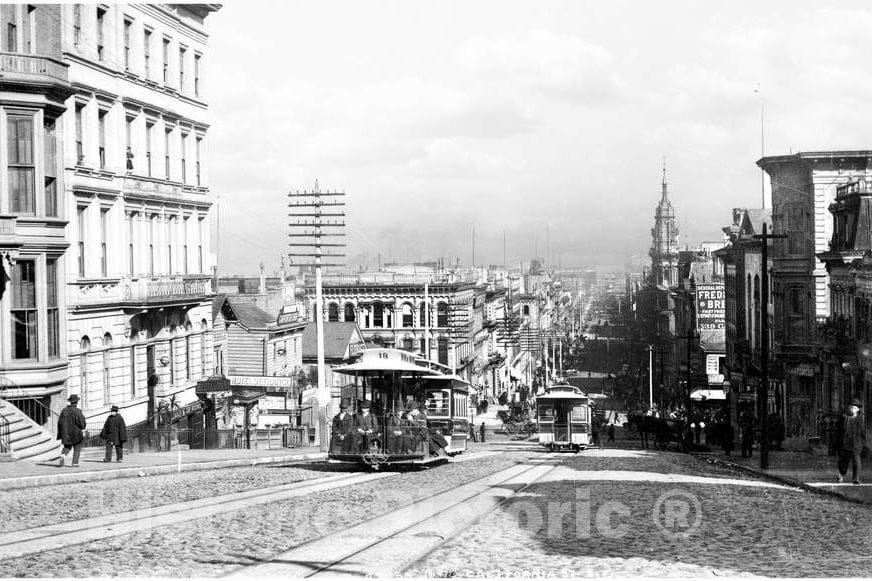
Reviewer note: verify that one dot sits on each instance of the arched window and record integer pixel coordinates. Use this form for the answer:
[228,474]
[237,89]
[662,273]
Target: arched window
[107,367]
[756,342]
[423,315]
[408,315]
[349,313]
[442,314]
[204,326]
[526,310]
[442,347]
[84,347]
[171,354]
[333,312]
[188,351]
[749,309]
[409,344]
[378,314]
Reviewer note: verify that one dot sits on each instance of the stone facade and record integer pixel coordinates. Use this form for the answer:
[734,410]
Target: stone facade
[138,206]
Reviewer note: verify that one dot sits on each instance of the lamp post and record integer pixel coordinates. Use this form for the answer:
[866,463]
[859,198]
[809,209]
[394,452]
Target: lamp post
[650,377]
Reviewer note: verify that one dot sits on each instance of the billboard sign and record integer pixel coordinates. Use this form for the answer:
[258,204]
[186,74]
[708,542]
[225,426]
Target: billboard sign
[711,316]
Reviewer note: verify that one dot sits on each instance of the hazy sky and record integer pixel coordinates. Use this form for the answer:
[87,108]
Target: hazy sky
[524,117]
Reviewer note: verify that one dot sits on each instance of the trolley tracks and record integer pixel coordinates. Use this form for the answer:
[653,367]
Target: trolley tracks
[52,537]
[393,542]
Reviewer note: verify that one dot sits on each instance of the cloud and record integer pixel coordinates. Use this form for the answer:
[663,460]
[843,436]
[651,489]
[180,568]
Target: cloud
[552,64]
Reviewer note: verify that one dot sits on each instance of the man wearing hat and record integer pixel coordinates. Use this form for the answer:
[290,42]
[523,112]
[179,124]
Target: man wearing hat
[853,442]
[70,425]
[343,425]
[115,434]
[366,425]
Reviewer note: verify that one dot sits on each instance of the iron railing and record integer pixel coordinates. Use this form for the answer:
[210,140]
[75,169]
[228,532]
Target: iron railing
[5,444]
[167,439]
[33,407]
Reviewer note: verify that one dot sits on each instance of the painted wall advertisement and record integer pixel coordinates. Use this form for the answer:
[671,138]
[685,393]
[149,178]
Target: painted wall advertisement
[710,316]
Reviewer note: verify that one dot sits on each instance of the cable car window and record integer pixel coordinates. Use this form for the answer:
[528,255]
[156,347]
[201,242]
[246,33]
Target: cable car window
[437,403]
[579,413]
[546,412]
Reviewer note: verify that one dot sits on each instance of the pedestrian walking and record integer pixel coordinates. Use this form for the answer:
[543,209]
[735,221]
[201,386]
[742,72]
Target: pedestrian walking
[853,442]
[611,433]
[481,430]
[115,433]
[472,435]
[70,425]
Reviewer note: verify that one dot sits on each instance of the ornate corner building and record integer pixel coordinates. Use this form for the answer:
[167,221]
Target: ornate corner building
[137,204]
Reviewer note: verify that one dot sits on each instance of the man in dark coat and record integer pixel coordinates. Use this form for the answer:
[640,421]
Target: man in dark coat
[853,442]
[115,433]
[366,425]
[398,440]
[70,425]
[343,425]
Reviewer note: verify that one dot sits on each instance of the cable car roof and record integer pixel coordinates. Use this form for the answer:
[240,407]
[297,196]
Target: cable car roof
[453,381]
[385,361]
[563,392]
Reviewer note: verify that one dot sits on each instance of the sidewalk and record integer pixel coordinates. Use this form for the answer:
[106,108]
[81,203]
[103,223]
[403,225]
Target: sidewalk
[91,466]
[808,469]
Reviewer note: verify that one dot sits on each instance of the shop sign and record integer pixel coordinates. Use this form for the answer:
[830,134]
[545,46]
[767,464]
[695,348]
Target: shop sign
[355,348]
[213,385]
[189,409]
[737,376]
[710,315]
[287,318]
[713,364]
[276,381]
[274,402]
[802,370]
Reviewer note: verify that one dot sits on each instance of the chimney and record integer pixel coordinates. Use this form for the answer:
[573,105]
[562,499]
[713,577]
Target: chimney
[262,286]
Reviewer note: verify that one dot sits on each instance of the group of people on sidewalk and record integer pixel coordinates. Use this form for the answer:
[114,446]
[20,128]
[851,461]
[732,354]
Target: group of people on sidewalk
[71,432]
[405,430]
[849,436]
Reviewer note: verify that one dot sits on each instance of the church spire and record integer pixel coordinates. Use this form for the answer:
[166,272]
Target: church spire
[664,197]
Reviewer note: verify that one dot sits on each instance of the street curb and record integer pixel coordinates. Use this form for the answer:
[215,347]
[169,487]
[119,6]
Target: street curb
[780,479]
[140,471]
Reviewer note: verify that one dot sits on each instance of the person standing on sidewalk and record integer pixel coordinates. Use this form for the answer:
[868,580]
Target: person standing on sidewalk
[853,442]
[747,435]
[70,425]
[115,433]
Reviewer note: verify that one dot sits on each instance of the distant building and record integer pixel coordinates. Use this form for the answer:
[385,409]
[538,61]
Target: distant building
[664,245]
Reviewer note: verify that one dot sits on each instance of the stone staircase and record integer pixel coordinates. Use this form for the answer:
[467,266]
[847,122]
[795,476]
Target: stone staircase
[23,439]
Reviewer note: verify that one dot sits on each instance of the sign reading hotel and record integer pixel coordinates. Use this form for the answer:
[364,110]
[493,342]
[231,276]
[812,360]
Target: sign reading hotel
[711,316]
[276,381]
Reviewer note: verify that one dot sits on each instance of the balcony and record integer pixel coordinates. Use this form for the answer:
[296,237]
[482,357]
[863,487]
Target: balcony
[141,292]
[837,334]
[32,70]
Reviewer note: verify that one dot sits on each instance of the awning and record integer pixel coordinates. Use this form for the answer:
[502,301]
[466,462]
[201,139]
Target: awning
[708,394]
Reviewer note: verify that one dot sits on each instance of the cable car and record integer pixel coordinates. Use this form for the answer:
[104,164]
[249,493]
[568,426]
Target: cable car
[420,411]
[564,416]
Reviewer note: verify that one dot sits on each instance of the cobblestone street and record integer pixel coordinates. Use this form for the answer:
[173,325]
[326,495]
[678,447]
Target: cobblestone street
[746,526]
[590,514]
